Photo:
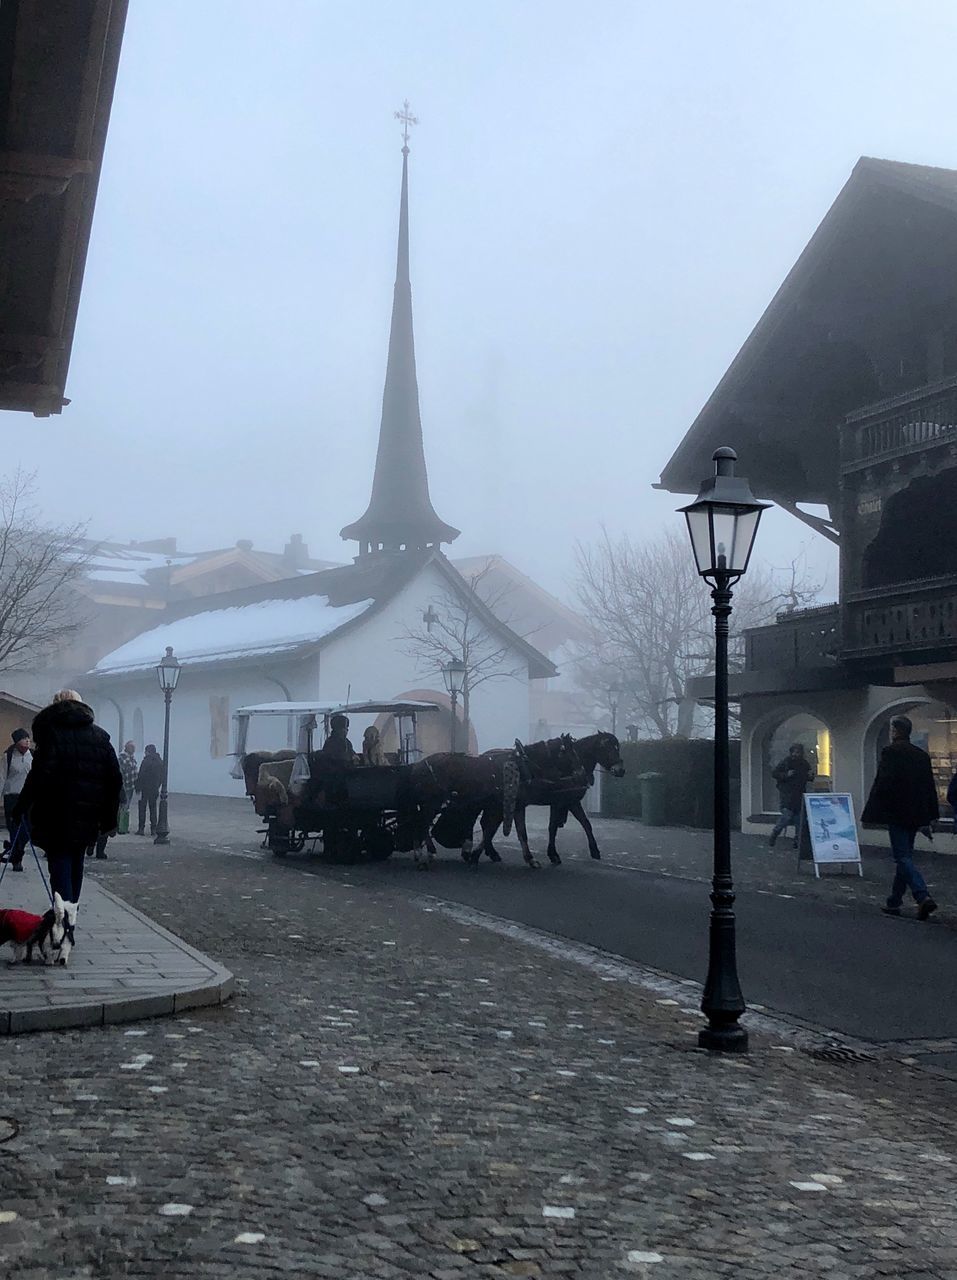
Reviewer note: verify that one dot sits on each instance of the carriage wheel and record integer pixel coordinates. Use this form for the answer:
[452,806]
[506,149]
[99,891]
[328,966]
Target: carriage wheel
[378,843]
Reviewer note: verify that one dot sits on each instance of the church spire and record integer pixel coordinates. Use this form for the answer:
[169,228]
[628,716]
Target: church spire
[400,514]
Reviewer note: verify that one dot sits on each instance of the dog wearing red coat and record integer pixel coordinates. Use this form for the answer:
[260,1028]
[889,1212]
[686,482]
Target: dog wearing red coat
[50,934]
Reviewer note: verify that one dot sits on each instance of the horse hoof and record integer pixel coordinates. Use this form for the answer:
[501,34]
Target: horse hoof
[495,857]
[596,855]
[534,864]
[554,859]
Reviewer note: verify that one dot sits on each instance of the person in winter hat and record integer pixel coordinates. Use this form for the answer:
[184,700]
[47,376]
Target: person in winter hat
[148,783]
[17,760]
[72,792]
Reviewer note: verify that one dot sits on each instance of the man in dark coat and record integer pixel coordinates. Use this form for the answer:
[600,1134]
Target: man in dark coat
[792,776]
[148,783]
[72,793]
[337,746]
[904,796]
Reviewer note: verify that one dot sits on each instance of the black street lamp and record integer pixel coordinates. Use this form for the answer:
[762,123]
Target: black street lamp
[168,674]
[722,522]
[454,674]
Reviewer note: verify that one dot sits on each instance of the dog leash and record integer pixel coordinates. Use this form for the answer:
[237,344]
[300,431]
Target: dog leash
[36,857]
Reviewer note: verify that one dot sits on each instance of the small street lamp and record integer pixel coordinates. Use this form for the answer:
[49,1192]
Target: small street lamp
[614,697]
[722,522]
[454,674]
[168,674]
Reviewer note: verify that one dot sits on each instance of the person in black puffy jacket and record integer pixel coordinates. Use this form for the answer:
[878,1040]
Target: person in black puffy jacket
[149,780]
[72,793]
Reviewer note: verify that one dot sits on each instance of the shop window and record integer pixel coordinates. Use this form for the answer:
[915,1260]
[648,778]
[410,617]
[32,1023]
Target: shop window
[935,731]
[813,735]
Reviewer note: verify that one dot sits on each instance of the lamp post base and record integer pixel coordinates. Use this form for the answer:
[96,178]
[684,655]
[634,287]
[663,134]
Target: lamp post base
[723,1039]
[162,826]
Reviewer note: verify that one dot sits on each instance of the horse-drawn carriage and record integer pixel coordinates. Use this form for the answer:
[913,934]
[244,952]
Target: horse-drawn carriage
[354,809]
[362,810]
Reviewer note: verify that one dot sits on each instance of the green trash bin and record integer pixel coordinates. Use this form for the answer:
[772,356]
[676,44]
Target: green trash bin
[652,799]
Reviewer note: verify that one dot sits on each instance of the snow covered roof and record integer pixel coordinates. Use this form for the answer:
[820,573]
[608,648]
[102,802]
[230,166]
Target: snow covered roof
[242,632]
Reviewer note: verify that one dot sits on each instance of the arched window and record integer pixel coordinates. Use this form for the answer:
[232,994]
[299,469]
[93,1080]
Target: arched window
[138,737]
[813,735]
[935,731]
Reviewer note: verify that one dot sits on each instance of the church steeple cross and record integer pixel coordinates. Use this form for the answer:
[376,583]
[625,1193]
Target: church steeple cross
[407,119]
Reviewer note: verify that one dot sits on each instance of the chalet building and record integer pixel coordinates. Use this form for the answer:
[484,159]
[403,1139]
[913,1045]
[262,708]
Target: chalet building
[332,634]
[844,398]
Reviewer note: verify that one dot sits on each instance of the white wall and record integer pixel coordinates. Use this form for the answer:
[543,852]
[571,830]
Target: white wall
[192,768]
[371,659]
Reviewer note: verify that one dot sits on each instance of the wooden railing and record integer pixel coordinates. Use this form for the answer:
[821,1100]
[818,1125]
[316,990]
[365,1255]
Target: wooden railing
[918,420]
[804,638]
[917,617]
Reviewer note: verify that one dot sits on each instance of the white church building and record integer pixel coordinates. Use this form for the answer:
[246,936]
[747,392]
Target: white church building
[338,635]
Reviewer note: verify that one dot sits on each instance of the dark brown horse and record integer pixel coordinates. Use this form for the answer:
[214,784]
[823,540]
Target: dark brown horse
[598,751]
[445,794]
[552,774]
[564,796]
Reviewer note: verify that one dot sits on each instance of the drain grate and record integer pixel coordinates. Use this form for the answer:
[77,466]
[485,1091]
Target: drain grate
[838,1053]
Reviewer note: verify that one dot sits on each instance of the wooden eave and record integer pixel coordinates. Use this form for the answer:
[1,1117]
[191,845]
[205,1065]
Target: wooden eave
[58,64]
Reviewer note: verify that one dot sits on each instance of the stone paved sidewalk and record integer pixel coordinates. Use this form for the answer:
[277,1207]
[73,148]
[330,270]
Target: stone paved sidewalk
[396,1093]
[124,966]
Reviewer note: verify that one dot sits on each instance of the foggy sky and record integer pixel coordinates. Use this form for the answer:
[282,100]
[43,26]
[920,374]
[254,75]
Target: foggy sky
[603,200]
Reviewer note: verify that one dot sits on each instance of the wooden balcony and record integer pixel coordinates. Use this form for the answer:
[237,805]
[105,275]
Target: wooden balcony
[906,424]
[909,622]
[805,638]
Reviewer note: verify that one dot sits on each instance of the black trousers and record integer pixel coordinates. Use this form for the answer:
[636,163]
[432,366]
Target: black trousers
[16,846]
[148,801]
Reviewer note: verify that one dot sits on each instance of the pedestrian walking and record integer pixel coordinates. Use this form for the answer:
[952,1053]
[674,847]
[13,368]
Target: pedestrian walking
[148,783]
[792,775]
[129,771]
[904,798]
[16,763]
[72,793]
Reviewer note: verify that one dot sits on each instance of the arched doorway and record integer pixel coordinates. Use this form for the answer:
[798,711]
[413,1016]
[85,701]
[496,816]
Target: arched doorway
[433,728]
[935,731]
[813,735]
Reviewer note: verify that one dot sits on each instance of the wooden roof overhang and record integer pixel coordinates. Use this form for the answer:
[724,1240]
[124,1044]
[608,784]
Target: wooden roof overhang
[58,63]
[882,259]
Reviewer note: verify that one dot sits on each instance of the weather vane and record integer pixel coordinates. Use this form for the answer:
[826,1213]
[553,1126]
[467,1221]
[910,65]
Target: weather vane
[408,119]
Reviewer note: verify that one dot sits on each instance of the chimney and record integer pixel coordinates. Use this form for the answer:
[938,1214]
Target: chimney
[296,553]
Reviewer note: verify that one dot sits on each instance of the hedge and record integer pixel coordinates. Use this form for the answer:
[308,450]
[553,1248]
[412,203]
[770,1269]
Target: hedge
[688,768]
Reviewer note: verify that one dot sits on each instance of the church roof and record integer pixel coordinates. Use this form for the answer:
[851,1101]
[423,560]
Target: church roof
[295,616]
[400,511]
[839,333]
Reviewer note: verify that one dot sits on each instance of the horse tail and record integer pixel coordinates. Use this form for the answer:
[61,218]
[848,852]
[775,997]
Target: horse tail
[510,784]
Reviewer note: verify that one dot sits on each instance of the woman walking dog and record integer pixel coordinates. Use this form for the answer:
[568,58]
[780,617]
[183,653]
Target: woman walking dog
[71,795]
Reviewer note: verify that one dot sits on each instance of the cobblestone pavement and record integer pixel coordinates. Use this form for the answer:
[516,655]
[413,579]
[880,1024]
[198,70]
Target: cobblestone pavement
[393,1093]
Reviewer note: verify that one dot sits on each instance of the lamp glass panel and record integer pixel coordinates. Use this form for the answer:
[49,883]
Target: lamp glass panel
[699,528]
[168,674]
[723,528]
[747,528]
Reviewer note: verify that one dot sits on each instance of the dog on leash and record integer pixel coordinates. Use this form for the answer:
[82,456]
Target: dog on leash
[51,934]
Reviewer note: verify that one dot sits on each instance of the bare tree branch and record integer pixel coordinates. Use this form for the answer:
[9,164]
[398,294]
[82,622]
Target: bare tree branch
[652,628]
[39,566]
[455,629]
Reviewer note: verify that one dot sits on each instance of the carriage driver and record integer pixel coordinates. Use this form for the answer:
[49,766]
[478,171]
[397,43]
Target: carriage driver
[337,746]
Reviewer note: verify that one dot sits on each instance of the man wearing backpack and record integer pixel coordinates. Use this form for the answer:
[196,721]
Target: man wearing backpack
[17,760]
